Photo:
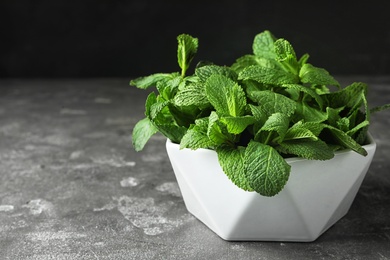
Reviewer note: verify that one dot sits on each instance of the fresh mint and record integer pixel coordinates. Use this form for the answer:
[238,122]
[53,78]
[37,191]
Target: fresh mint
[187,48]
[226,96]
[267,106]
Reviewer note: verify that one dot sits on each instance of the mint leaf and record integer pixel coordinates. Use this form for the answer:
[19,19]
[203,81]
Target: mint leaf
[316,76]
[346,141]
[205,72]
[232,163]
[168,88]
[284,50]
[192,95]
[278,123]
[150,100]
[309,114]
[196,137]
[301,130]
[358,127]
[263,45]
[173,132]
[186,50]
[259,113]
[314,127]
[226,96]
[151,80]
[350,97]
[295,133]
[183,115]
[333,115]
[266,170]
[268,75]
[142,132]
[243,62]
[236,125]
[306,90]
[217,131]
[272,102]
[156,109]
[248,60]
[307,148]
[303,59]
[285,54]
[343,124]
[251,86]
[160,116]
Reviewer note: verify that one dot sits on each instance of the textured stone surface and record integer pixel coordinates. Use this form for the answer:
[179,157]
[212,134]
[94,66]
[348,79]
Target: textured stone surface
[71,186]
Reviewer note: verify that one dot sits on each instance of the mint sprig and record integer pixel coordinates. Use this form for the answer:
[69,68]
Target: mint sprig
[267,106]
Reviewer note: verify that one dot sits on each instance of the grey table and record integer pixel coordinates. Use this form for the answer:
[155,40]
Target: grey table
[71,186]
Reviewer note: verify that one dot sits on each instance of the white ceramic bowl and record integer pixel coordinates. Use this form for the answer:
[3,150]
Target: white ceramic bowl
[317,195]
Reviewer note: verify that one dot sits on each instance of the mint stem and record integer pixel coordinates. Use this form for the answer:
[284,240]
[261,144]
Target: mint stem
[268,138]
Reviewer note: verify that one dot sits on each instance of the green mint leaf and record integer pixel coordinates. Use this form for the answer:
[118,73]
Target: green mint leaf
[272,102]
[307,91]
[333,115]
[189,80]
[217,131]
[307,148]
[314,127]
[243,62]
[284,50]
[232,163]
[299,132]
[183,115]
[285,54]
[192,95]
[352,97]
[168,88]
[303,130]
[343,124]
[361,136]
[156,109]
[173,132]
[358,127]
[142,132]
[303,59]
[248,60]
[151,80]
[197,131]
[259,114]
[266,170]
[278,123]
[226,96]
[316,76]
[160,116]
[309,114]
[251,85]
[186,50]
[345,140]
[150,100]
[236,125]
[196,138]
[263,45]
[268,75]
[205,72]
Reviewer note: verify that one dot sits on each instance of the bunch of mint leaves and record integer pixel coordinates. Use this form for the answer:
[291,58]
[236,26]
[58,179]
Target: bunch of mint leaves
[266,107]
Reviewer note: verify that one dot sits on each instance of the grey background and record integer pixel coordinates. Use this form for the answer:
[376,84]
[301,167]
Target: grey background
[68,39]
